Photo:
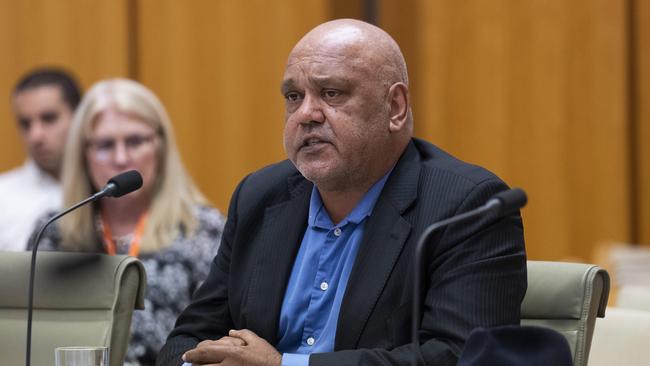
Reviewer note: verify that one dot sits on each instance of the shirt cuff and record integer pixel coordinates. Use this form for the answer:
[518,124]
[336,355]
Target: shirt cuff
[295,359]
[186,364]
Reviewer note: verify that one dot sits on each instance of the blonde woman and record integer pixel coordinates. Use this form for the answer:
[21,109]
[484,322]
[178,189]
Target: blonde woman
[121,125]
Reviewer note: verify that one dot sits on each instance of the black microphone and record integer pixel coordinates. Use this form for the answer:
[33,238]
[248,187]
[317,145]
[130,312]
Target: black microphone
[117,186]
[122,184]
[510,201]
[502,204]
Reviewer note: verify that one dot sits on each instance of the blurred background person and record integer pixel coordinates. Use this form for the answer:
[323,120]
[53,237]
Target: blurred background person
[43,102]
[168,224]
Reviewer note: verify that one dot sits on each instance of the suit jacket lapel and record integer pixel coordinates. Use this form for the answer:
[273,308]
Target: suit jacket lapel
[282,230]
[385,235]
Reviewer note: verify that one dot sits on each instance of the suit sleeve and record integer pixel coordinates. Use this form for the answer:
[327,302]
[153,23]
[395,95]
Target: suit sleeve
[476,277]
[208,315]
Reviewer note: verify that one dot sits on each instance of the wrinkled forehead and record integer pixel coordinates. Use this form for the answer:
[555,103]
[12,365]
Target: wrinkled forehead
[325,70]
[330,58]
[319,60]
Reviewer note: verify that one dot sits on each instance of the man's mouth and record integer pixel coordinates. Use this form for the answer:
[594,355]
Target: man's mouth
[40,152]
[312,142]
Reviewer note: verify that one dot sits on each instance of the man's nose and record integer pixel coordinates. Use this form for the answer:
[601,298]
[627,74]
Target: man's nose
[311,110]
[36,132]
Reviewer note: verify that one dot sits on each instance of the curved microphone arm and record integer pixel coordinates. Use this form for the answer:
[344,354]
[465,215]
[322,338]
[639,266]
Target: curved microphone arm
[418,272]
[117,186]
[503,203]
[32,270]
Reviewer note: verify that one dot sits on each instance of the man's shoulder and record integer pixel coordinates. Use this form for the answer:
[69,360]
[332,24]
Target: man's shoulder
[274,177]
[13,176]
[20,185]
[273,183]
[444,166]
[277,173]
[434,185]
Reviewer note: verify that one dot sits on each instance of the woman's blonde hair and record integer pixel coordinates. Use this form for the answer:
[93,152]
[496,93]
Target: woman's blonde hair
[174,194]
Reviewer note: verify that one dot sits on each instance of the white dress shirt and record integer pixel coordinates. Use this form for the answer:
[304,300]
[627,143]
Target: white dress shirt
[26,193]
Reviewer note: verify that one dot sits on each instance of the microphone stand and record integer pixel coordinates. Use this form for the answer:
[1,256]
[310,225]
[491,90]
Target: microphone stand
[117,186]
[418,271]
[32,269]
[502,203]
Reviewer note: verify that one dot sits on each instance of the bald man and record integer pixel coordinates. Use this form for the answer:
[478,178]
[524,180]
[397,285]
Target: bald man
[315,265]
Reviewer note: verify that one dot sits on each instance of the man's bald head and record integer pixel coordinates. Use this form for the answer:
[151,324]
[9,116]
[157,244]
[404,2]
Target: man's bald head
[361,42]
[347,118]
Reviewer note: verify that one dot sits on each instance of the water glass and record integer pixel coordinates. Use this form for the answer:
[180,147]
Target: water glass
[81,356]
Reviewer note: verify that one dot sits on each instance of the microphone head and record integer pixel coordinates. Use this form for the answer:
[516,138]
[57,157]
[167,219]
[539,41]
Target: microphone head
[510,200]
[123,183]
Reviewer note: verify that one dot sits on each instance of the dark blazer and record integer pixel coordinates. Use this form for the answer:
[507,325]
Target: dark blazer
[476,270]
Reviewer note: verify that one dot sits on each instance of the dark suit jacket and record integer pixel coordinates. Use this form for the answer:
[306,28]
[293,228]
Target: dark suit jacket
[476,275]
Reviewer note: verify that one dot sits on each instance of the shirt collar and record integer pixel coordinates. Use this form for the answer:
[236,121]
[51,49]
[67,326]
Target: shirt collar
[41,175]
[319,217]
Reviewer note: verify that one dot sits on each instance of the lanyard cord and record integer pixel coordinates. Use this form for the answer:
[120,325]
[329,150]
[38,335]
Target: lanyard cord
[134,246]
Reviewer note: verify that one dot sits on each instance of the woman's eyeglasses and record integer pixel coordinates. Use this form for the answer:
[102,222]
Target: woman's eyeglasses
[104,149]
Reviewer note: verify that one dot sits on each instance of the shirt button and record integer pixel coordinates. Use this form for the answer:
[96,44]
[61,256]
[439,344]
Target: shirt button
[311,341]
[337,231]
[324,286]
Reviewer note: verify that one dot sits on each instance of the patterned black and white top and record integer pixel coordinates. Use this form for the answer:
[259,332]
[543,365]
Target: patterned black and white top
[172,276]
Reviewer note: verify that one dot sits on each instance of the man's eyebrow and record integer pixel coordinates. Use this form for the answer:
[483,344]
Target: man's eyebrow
[23,120]
[320,81]
[286,85]
[329,81]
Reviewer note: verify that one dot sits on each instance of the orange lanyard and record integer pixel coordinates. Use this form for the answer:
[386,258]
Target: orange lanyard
[134,246]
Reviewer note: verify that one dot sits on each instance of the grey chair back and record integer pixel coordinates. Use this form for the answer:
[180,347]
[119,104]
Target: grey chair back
[79,300]
[566,297]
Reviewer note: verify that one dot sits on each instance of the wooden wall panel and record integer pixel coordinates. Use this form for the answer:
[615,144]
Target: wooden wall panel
[87,37]
[536,92]
[642,116]
[217,66]
[346,9]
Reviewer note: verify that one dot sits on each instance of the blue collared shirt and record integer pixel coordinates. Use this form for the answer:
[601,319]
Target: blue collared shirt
[319,277]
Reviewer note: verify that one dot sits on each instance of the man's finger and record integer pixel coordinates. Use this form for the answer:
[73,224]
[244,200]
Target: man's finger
[207,342]
[248,336]
[224,341]
[207,354]
[230,341]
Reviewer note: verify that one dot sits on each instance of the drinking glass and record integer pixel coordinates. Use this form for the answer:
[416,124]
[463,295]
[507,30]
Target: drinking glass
[81,356]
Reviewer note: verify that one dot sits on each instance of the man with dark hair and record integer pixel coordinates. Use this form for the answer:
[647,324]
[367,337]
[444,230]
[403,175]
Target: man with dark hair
[43,101]
[315,263]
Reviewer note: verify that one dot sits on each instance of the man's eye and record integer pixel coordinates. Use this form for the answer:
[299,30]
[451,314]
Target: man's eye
[49,117]
[331,93]
[292,96]
[24,123]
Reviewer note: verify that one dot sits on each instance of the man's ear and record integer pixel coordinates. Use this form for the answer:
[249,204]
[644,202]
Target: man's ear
[398,97]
